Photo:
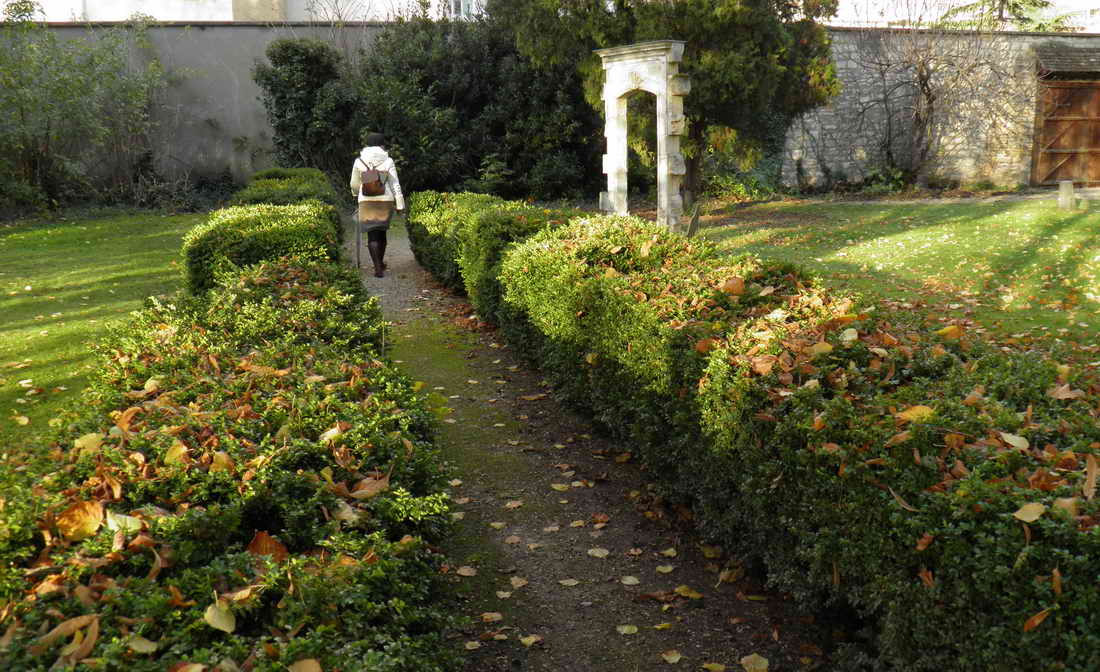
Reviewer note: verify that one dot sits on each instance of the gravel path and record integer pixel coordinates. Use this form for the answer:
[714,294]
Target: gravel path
[563,557]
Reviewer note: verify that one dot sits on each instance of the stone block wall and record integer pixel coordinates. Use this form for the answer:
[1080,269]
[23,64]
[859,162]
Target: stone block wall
[985,106]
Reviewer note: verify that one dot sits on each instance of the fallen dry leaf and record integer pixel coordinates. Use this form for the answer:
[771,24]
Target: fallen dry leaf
[530,640]
[1030,512]
[599,552]
[754,663]
[466,570]
[627,629]
[672,656]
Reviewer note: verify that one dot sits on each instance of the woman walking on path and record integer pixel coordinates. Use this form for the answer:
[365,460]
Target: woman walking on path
[375,210]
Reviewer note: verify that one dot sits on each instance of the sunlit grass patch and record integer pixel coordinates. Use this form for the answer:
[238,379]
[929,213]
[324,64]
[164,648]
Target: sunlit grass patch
[62,281]
[1020,268]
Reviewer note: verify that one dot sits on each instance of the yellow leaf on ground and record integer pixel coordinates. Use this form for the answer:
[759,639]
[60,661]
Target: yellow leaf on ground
[219,616]
[630,581]
[820,348]
[665,569]
[530,640]
[662,626]
[81,520]
[518,582]
[141,645]
[598,552]
[669,552]
[492,617]
[627,629]
[466,570]
[688,592]
[569,582]
[711,552]
[714,667]
[916,413]
[1016,441]
[950,332]
[1030,512]
[754,663]
[89,443]
[514,504]
[498,526]
[672,656]
[560,487]
[473,646]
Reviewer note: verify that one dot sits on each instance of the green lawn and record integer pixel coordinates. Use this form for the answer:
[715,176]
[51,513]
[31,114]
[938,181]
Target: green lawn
[1020,270]
[62,281]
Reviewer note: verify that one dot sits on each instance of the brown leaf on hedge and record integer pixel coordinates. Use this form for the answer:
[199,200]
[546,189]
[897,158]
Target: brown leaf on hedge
[125,419]
[369,487]
[1063,392]
[975,396]
[1056,581]
[81,520]
[735,286]
[901,502]
[306,665]
[1091,470]
[177,598]
[705,345]
[1033,622]
[900,437]
[925,541]
[265,544]
[926,577]
[60,631]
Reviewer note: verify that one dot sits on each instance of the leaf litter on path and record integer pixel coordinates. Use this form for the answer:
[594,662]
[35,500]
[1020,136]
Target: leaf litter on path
[564,595]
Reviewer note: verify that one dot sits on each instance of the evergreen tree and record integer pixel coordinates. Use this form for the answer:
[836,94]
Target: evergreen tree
[754,64]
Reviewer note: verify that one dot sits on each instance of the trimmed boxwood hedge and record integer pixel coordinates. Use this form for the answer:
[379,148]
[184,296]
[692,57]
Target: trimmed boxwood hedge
[284,186]
[243,235]
[939,486]
[435,225]
[251,450]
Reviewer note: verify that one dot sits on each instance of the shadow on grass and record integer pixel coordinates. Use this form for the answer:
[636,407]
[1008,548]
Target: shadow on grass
[1022,245]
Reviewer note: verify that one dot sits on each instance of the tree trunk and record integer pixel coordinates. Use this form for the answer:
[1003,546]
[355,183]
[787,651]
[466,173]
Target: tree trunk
[693,178]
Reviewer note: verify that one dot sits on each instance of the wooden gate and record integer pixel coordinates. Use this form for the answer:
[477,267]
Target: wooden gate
[1067,137]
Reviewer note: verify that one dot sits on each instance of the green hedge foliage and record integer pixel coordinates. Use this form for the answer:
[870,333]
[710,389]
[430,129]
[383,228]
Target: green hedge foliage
[435,224]
[247,484]
[462,238]
[243,235]
[939,486]
[291,186]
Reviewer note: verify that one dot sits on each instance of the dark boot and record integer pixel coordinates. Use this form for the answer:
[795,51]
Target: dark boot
[376,245]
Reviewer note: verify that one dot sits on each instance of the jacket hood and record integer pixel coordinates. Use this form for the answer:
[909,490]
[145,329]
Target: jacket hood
[376,157]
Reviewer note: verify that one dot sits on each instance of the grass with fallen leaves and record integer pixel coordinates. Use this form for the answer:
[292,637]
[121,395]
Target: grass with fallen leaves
[62,281]
[1020,271]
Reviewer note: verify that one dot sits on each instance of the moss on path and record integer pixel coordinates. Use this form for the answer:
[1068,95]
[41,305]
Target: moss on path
[579,566]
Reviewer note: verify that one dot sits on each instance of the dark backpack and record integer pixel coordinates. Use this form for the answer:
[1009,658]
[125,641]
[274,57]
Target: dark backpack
[373,181]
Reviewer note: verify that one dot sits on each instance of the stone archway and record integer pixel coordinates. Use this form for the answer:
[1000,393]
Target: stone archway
[653,67]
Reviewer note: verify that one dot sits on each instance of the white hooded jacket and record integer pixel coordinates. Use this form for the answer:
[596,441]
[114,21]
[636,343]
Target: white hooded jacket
[378,159]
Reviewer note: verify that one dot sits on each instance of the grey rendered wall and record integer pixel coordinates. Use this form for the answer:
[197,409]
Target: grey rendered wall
[212,119]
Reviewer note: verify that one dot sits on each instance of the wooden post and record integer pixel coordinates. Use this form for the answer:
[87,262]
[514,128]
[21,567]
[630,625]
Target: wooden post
[1065,195]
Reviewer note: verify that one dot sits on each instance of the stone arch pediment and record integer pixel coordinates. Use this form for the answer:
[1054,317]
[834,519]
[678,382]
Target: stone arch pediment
[652,67]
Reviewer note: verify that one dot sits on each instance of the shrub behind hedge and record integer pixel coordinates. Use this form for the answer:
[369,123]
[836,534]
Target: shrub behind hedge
[302,185]
[244,235]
